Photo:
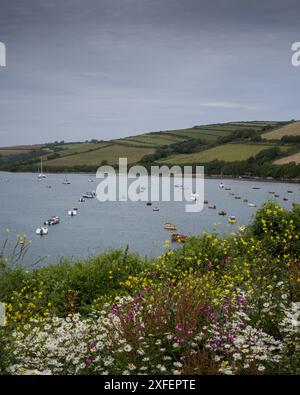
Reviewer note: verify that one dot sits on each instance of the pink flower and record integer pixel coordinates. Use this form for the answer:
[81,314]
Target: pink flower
[88,361]
[91,345]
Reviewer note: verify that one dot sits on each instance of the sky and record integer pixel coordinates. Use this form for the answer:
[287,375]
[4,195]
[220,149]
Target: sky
[105,69]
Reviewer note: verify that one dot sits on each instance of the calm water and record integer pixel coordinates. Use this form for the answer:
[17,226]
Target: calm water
[26,203]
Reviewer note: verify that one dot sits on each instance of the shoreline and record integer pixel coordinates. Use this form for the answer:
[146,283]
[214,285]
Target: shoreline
[206,177]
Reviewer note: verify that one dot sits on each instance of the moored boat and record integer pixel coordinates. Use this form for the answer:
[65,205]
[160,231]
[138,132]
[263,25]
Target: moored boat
[169,226]
[72,212]
[232,219]
[41,231]
[212,206]
[89,195]
[222,212]
[179,238]
[54,220]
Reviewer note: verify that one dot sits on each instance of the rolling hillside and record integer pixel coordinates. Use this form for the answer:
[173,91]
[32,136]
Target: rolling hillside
[226,143]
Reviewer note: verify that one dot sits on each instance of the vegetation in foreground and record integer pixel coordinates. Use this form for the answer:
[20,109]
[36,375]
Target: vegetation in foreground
[218,305]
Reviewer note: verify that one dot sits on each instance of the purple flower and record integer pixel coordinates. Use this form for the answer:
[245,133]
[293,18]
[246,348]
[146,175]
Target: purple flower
[91,345]
[88,361]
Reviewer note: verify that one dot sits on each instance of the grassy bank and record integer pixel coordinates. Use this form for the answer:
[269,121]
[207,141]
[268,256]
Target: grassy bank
[218,305]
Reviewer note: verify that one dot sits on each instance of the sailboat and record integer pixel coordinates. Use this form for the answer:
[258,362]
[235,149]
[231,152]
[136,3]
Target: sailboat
[221,185]
[66,182]
[41,175]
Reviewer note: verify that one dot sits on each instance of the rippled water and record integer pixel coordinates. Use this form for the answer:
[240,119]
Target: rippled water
[26,203]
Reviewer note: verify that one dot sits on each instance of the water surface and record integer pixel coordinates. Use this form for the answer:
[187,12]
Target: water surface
[26,203]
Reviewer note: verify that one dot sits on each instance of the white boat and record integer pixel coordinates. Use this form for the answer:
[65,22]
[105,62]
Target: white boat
[156,208]
[41,175]
[66,182]
[81,200]
[54,220]
[41,231]
[72,212]
[251,205]
[194,196]
[89,195]
[221,185]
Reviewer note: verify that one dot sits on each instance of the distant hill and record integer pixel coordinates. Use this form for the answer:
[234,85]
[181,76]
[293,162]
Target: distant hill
[215,145]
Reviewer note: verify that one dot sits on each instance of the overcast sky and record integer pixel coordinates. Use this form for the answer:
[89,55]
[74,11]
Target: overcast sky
[82,69]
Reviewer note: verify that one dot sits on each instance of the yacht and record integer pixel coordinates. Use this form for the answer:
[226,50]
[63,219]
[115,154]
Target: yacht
[41,175]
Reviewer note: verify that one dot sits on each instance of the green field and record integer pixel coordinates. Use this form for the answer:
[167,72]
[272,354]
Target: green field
[110,153]
[226,152]
[69,149]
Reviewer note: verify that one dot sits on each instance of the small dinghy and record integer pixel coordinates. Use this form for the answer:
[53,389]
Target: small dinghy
[285,199]
[212,206]
[232,219]
[81,200]
[66,182]
[156,208]
[89,195]
[222,212]
[169,226]
[251,205]
[72,212]
[54,220]
[179,238]
[237,197]
[290,191]
[41,231]
[245,200]
[227,189]
[149,204]
[221,185]
[256,188]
